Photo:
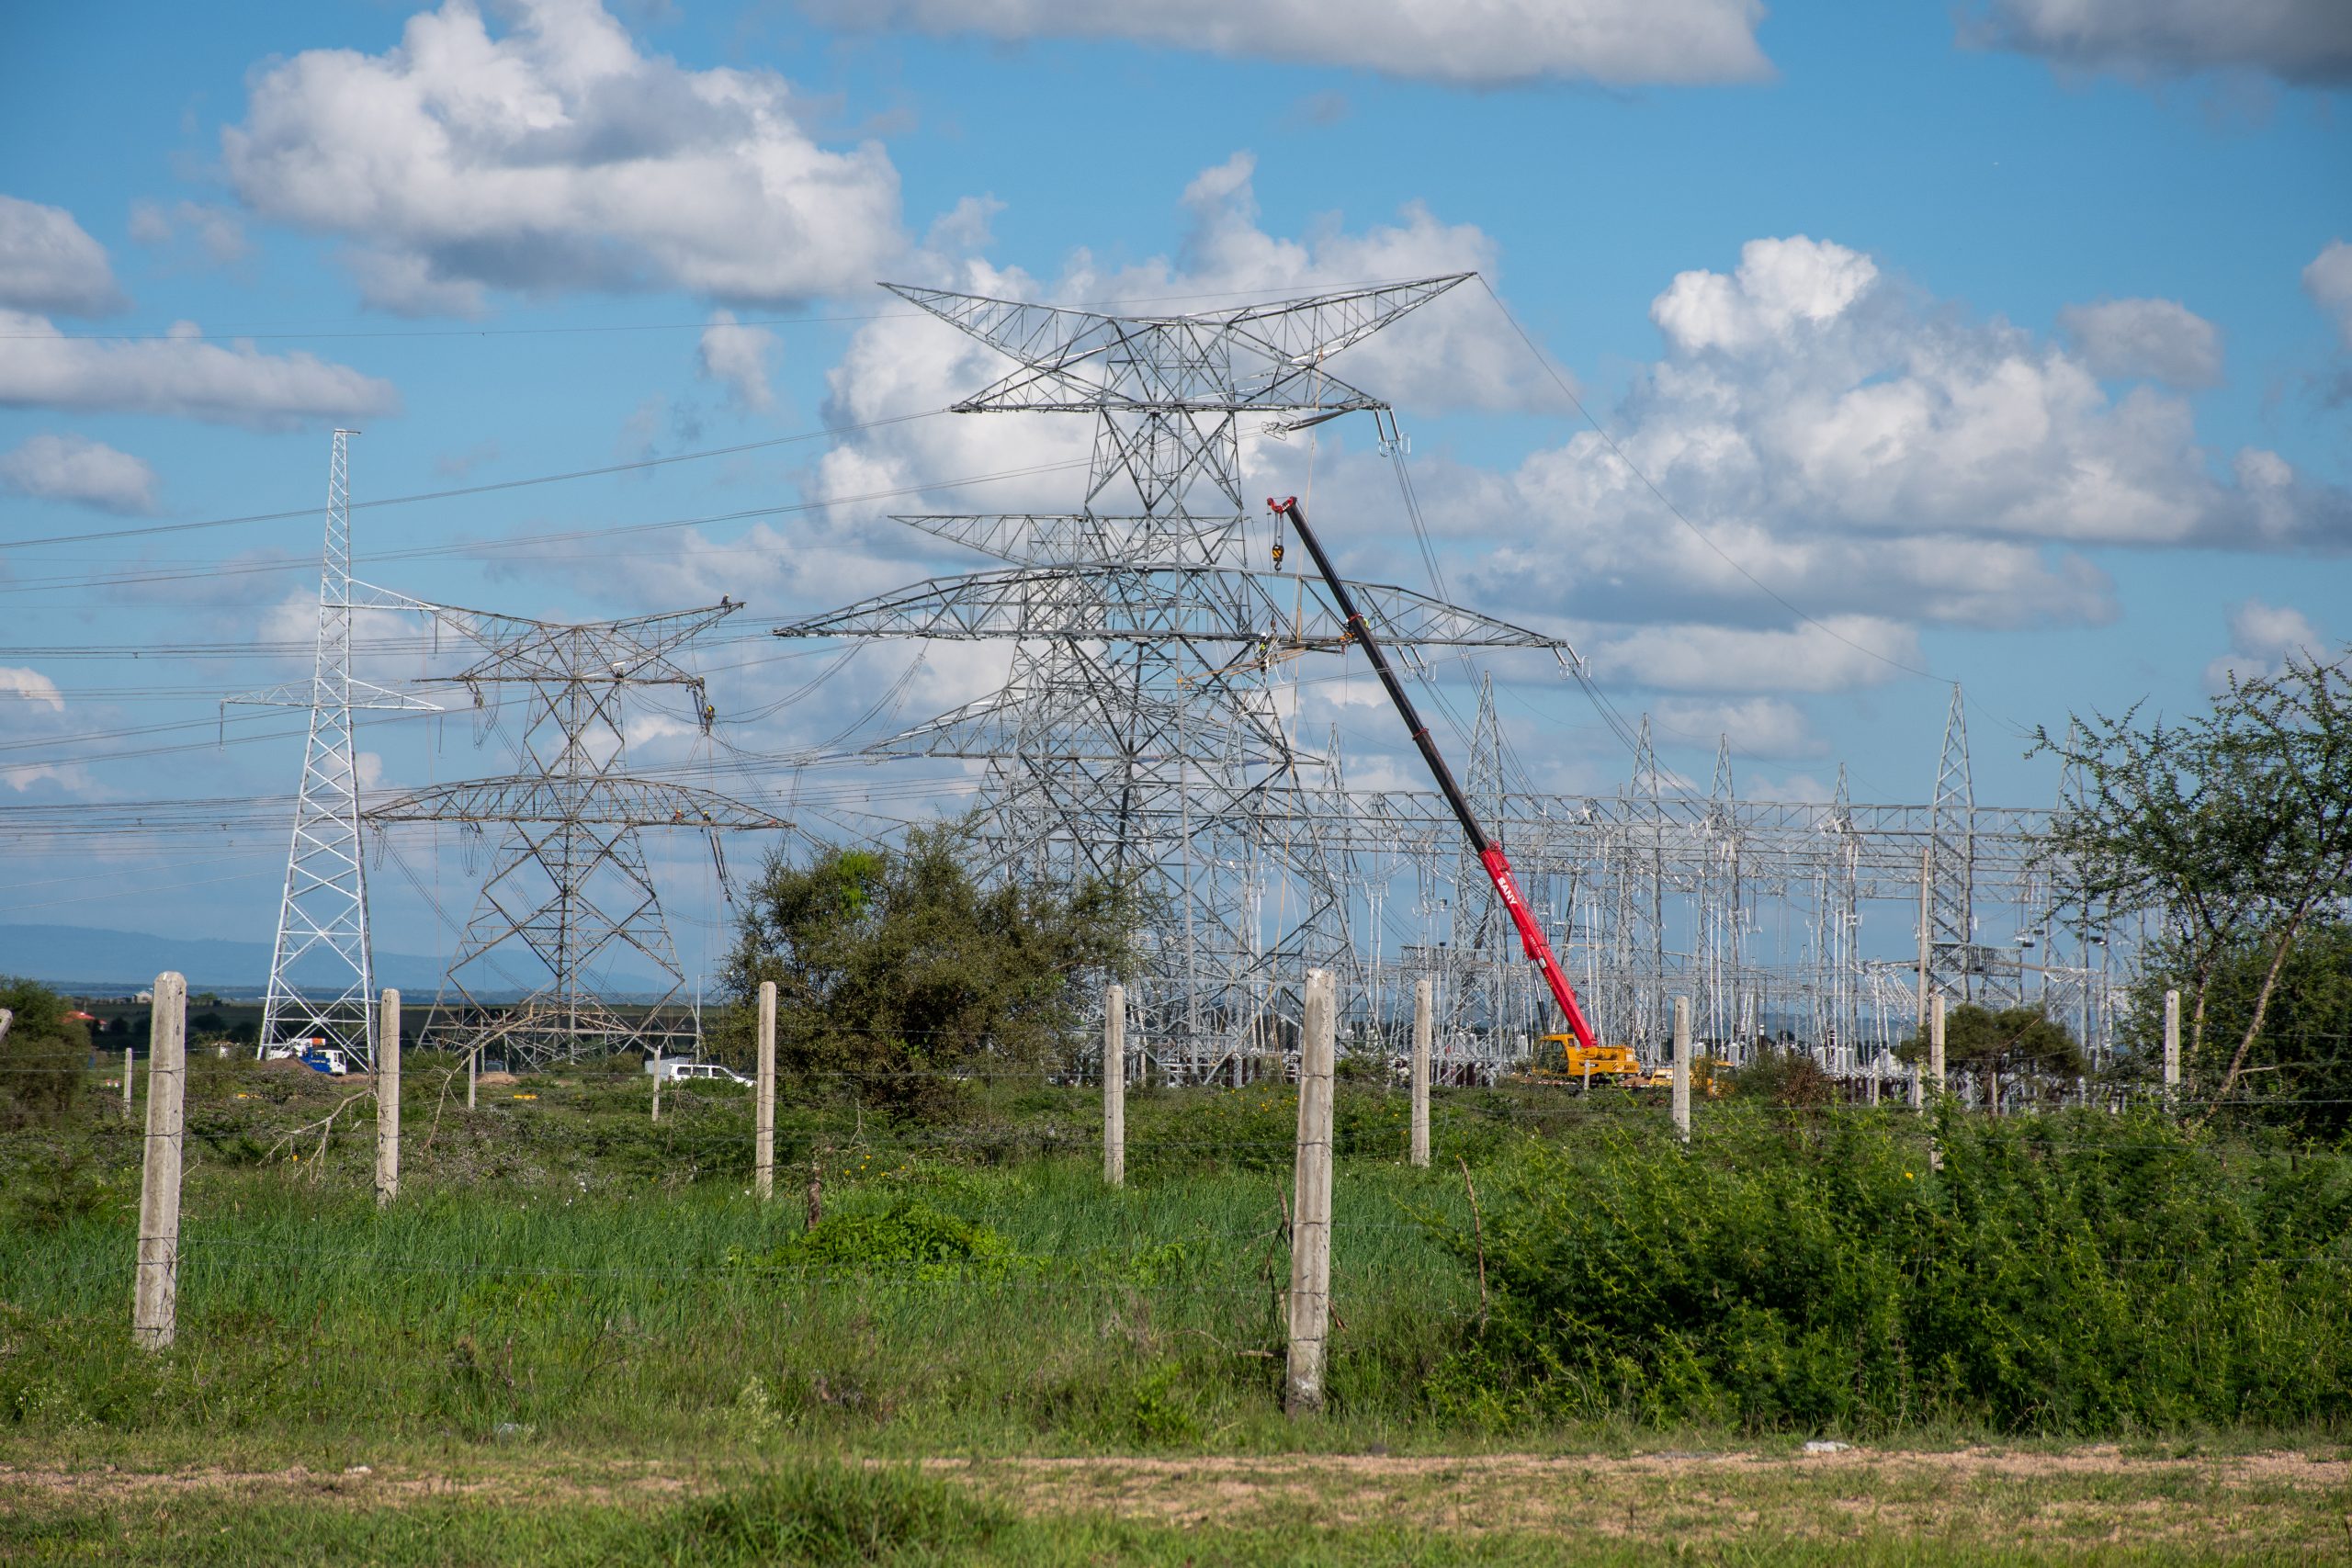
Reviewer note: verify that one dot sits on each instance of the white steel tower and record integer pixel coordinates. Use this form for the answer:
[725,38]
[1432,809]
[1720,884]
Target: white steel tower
[323,917]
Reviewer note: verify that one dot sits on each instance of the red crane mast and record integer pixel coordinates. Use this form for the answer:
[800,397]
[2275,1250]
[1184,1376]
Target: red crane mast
[1490,853]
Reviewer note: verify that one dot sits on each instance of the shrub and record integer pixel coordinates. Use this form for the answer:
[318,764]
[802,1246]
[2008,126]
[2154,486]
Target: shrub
[41,1057]
[834,1513]
[909,1238]
[2078,1274]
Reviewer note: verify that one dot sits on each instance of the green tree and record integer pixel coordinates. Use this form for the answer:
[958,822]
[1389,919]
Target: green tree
[896,969]
[41,1057]
[2233,829]
[2301,1063]
[2018,1043]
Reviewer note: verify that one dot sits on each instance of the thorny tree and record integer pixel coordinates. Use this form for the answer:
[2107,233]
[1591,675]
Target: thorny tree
[2020,1044]
[896,971]
[2234,828]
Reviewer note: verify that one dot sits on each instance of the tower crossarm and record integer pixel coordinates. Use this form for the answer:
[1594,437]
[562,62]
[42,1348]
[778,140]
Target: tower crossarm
[1154,603]
[994,726]
[304,694]
[635,650]
[1081,538]
[597,802]
[1083,361]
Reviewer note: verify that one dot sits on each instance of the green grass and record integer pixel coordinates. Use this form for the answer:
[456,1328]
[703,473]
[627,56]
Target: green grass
[560,1270]
[1143,1317]
[561,1274]
[814,1510]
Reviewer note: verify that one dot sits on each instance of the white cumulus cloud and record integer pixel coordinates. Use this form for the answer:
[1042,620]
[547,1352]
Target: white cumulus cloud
[215,230]
[737,357]
[1494,44]
[1854,448]
[1832,654]
[179,374]
[2157,340]
[557,156]
[73,467]
[2328,280]
[33,687]
[48,262]
[2308,43]
[2262,639]
[1756,727]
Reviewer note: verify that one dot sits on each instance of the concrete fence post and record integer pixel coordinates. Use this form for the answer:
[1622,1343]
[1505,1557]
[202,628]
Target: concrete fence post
[1936,1070]
[129,1055]
[154,1296]
[657,1085]
[2171,1046]
[1683,1069]
[1424,1023]
[763,1111]
[1114,1086]
[1310,1233]
[1936,1041]
[388,1098]
[473,1062]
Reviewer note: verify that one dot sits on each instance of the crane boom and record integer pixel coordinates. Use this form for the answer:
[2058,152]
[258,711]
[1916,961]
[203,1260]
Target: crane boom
[1490,853]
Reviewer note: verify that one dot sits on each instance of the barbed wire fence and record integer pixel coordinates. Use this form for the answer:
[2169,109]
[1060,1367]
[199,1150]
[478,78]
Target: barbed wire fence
[1226,1267]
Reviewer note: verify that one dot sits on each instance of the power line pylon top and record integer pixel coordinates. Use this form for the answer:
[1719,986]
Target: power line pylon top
[1264,358]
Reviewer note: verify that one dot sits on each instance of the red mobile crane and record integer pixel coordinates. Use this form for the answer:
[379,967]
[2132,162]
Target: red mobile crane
[1490,854]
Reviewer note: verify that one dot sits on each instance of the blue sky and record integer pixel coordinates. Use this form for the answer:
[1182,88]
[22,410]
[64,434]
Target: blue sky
[2012,343]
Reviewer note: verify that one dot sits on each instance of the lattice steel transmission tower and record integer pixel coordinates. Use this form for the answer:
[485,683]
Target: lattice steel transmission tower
[1951,959]
[323,915]
[568,891]
[1139,735]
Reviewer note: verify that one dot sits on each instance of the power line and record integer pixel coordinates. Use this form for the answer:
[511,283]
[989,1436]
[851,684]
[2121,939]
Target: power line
[151,529]
[477,547]
[355,334]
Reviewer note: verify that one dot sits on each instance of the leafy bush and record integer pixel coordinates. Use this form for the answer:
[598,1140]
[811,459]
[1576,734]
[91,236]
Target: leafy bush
[909,1238]
[834,1513]
[2077,1274]
[41,1057]
[1785,1077]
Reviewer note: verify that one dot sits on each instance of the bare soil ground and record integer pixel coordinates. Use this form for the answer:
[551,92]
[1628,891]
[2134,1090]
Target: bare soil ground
[2087,1497]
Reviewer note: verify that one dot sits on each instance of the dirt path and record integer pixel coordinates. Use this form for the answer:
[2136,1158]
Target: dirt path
[2099,1493]
[2093,1495]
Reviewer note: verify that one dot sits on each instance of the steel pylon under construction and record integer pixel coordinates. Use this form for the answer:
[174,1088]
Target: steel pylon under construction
[1139,735]
[568,891]
[323,915]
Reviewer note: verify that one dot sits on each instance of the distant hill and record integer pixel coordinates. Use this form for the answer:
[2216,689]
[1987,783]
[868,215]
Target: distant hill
[95,961]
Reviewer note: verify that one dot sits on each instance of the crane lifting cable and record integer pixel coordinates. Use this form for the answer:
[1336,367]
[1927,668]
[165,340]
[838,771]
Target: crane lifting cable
[1490,853]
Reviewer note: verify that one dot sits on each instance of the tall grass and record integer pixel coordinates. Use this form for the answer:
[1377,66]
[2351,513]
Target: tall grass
[1145,1317]
[563,1269]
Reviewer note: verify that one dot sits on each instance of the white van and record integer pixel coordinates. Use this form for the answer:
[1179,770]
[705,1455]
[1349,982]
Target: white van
[677,1069]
